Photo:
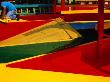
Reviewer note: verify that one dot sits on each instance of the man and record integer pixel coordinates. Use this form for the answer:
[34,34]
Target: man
[8,10]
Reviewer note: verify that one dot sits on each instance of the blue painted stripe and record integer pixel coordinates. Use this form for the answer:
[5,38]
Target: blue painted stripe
[83,25]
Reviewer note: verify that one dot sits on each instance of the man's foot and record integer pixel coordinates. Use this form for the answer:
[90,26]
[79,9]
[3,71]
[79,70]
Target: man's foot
[17,17]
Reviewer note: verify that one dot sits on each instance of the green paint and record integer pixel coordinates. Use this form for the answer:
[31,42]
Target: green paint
[12,53]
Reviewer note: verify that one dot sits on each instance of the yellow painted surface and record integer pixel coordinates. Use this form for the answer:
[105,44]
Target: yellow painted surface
[87,21]
[8,74]
[26,75]
[106,25]
[54,31]
[90,0]
[3,21]
[12,21]
[83,11]
[21,20]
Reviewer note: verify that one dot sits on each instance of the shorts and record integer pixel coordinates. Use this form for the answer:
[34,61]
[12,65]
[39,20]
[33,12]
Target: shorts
[11,14]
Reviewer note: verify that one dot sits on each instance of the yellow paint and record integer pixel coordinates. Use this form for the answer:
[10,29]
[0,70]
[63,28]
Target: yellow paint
[89,0]
[4,20]
[34,10]
[26,75]
[21,10]
[21,20]
[87,21]
[106,25]
[83,11]
[7,20]
[70,9]
[69,4]
[69,1]
[12,21]
[27,10]
[54,31]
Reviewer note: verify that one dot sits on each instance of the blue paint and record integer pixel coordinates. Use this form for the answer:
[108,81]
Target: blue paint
[78,26]
[32,5]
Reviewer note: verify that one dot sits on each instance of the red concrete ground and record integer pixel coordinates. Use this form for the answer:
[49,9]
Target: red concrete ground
[80,60]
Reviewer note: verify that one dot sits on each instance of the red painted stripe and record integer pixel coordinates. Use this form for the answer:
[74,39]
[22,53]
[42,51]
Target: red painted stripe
[79,60]
[12,29]
[67,17]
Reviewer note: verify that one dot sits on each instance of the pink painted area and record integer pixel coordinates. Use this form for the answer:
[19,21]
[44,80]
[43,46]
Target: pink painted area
[78,60]
[12,29]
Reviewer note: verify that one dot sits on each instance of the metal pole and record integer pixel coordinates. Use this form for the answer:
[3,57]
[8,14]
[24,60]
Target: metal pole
[54,6]
[100,27]
[62,5]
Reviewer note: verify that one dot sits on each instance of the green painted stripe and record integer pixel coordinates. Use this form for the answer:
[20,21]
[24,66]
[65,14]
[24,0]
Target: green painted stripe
[12,53]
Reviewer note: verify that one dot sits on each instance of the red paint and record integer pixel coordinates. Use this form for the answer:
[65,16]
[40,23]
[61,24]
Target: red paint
[85,7]
[99,54]
[59,8]
[41,17]
[12,29]
[62,5]
[75,7]
[101,19]
[73,60]
[67,17]
[54,6]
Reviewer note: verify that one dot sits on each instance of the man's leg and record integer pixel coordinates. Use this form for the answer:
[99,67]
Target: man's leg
[11,14]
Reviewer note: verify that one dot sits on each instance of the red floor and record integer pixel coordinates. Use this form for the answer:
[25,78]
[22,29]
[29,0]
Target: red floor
[12,29]
[66,17]
[79,60]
